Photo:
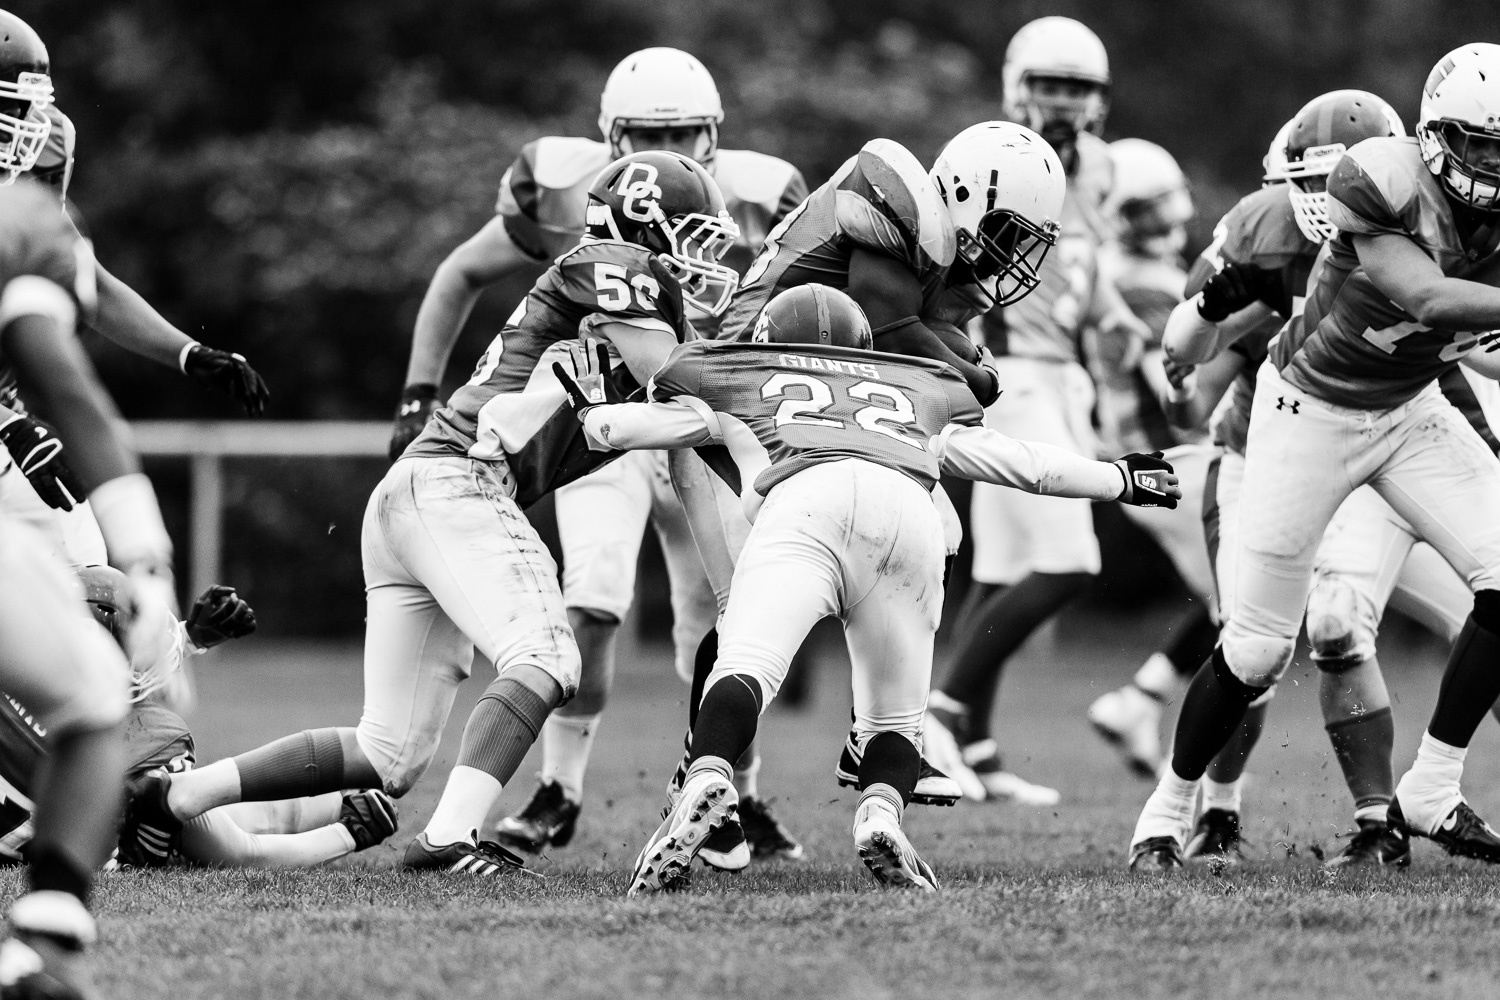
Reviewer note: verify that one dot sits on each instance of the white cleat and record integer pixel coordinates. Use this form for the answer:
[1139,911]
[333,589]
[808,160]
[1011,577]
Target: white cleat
[707,801]
[1130,719]
[887,853]
[940,748]
[983,759]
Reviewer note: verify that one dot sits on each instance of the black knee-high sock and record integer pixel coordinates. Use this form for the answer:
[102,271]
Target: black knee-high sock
[998,628]
[77,810]
[703,665]
[890,759]
[1211,711]
[1229,763]
[1196,636]
[1472,681]
[728,718]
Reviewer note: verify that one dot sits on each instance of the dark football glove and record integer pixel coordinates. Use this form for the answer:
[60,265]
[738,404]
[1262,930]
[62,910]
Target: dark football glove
[38,453]
[370,817]
[218,615]
[419,401]
[592,387]
[229,373]
[1149,481]
[1229,291]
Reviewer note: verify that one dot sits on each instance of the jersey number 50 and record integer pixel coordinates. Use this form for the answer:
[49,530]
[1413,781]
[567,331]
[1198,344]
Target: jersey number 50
[888,420]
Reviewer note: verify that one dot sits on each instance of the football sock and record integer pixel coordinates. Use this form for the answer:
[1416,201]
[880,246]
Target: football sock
[466,801]
[747,776]
[891,761]
[707,763]
[502,728]
[77,809]
[1169,810]
[703,665]
[1196,636]
[1363,743]
[1000,624]
[882,797]
[567,741]
[728,718]
[1159,678]
[1222,796]
[1229,763]
[307,763]
[1472,681]
[1431,789]
[1211,710]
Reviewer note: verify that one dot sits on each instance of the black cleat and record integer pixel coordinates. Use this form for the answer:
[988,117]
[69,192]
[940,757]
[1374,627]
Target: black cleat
[1462,834]
[933,788]
[767,837]
[1374,843]
[1216,836]
[548,820]
[482,858]
[1155,854]
[151,835]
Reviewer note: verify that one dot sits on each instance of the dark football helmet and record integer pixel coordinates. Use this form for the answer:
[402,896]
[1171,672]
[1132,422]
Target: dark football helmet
[670,205]
[25,93]
[1314,141]
[813,314]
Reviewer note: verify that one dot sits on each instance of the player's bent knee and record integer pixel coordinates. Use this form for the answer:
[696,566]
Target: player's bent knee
[400,765]
[1340,630]
[1486,611]
[1257,661]
[766,674]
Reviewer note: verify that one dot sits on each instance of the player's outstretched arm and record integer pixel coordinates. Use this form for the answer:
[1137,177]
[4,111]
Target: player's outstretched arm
[1191,338]
[1189,393]
[1414,281]
[612,425]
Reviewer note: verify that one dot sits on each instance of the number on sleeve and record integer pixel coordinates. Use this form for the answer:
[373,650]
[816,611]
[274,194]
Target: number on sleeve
[1386,339]
[490,360]
[880,419]
[771,247]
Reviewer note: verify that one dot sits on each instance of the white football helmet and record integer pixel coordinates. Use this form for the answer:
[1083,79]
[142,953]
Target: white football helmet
[1003,186]
[1314,141]
[1458,127]
[1056,48]
[660,88]
[1149,204]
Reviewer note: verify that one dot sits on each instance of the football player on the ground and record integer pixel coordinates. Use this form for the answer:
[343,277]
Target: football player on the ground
[55,657]
[450,562]
[1150,207]
[1031,556]
[657,98]
[836,450]
[1348,397]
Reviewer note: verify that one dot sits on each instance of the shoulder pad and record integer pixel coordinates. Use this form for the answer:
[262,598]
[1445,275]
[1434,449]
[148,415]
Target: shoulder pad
[908,197]
[591,251]
[1262,229]
[752,177]
[561,162]
[1377,187]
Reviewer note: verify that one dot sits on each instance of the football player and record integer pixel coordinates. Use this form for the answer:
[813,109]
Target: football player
[836,450]
[657,98]
[450,562]
[1031,556]
[1150,207]
[52,654]
[1348,396]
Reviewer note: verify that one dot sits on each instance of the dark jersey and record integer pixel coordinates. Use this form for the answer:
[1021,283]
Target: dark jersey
[513,409]
[54,167]
[785,407]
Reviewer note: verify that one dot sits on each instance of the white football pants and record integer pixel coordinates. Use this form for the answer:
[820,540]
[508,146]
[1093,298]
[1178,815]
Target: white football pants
[72,534]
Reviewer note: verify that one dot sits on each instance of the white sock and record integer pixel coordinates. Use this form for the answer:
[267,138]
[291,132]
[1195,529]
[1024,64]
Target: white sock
[1430,791]
[1439,759]
[747,780]
[879,796]
[1169,810]
[1222,796]
[718,765]
[1377,812]
[567,741]
[466,801]
[1158,678]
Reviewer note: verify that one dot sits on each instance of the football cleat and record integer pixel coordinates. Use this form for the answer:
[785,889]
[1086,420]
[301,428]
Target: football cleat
[886,852]
[1130,719]
[726,849]
[983,760]
[481,858]
[941,731]
[548,820]
[708,799]
[933,788]
[766,835]
[151,834]
[1461,833]
[43,957]
[1158,854]
[370,817]
[1216,837]
[1374,843]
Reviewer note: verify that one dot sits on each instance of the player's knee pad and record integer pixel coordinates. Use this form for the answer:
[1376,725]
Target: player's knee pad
[1486,613]
[1341,627]
[767,664]
[1258,661]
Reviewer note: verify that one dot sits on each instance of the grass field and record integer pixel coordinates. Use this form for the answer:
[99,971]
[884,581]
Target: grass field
[1035,902]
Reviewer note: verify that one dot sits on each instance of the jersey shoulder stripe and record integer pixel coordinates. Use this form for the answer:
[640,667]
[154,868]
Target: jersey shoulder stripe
[889,177]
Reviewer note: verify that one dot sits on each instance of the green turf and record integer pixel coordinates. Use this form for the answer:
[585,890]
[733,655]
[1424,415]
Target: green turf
[1035,902]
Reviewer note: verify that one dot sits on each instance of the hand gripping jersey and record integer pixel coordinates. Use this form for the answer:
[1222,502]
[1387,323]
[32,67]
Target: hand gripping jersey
[1048,323]
[782,408]
[1353,346]
[880,200]
[1261,230]
[513,408]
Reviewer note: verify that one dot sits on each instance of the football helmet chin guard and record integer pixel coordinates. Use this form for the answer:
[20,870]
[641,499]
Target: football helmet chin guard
[1003,186]
[813,314]
[660,88]
[1458,127]
[1150,202]
[1309,147]
[670,205]
[25,94]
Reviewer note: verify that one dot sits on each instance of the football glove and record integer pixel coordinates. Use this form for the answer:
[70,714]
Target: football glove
[592,386]
[1181,381]
[370,817]
[38,453]
[1229,291]
[229,373]
[419,401]
[218,615]
[1149,481]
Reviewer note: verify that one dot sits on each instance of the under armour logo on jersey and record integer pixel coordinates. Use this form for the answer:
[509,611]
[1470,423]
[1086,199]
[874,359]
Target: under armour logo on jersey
[1282,403]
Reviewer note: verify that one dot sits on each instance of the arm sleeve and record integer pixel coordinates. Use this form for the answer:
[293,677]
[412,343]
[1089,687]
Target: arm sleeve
[986,455]
[686,422]
[517,204]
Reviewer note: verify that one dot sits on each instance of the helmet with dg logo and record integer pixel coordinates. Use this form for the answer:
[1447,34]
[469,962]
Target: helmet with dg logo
[813,314]
[670,205]
[25,94]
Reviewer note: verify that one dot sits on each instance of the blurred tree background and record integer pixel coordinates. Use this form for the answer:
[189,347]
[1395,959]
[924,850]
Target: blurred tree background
[281,178]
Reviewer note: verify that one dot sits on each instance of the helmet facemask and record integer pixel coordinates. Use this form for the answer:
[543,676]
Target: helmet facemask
[697,243]
[1471,163]
[1064,107]
[1308,189]
[1004,257]
[24,125]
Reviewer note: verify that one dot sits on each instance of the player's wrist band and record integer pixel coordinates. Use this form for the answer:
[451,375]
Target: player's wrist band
[182,355]
[1125,477]
[130,521]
